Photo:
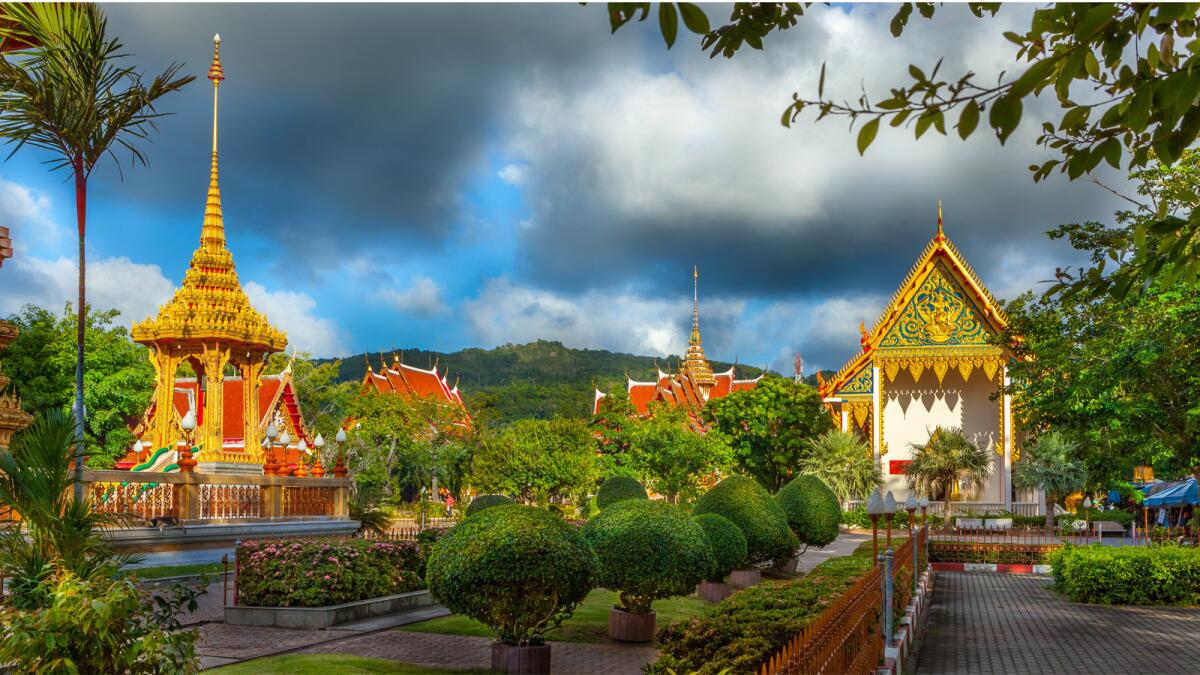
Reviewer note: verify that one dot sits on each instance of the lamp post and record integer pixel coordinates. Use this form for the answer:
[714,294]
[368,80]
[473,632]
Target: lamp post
[318,469]
[339,469]
[1087,508]
[874,510]
[910,505]
[889,512]
[925,524]
[188,425]
[301,470]
[285,439]
[269,465]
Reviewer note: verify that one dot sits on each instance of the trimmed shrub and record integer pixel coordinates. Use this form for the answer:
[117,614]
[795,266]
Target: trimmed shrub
[1128,575]
[486,502]
[648,550]
[320,572]
[760,518]
[744,630]
[727,542]
[1096,515]
[812,510]
[617,489]
[857,517]
[520,570]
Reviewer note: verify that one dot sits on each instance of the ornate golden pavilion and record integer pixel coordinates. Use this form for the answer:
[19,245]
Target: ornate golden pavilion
[930,360]
[210,324]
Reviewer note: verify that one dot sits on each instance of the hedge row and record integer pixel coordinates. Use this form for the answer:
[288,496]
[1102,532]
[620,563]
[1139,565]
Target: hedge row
[1002,554]
[742,631]
[1128,575]
[319,572]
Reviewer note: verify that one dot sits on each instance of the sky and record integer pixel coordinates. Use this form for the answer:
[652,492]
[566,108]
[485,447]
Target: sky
[450,176]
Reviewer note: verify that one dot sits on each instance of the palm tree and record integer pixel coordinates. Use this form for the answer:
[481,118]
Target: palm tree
[1050,464]
[842,461]
[67,94]
[947,458]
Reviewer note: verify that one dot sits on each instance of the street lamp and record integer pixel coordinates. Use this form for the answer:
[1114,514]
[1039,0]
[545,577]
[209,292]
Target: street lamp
[269,465]
[188,425]
[339,469]
[889,511]
[874,510]
[318,469]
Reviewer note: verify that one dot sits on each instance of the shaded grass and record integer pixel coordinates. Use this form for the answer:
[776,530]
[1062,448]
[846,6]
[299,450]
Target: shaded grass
[331,664]
[160,572]
[588,624]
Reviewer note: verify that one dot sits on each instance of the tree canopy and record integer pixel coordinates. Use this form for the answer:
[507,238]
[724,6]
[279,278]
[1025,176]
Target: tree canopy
[538,460]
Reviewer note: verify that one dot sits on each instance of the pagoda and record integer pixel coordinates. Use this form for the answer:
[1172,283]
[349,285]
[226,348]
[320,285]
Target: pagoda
[931,360]
[210,325]
[694,385]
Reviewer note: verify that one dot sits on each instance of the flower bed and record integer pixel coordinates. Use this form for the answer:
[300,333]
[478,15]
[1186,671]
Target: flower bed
[321,572]
[1128,575]
[742,631]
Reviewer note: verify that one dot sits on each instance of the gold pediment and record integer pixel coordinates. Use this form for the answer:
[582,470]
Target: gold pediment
[940,312]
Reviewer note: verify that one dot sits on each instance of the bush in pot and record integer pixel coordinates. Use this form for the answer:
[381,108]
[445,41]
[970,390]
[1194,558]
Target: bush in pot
[812,510]
[486,502]
[646,550]
[728,546]
[521,571]
[618,489]
[760,518]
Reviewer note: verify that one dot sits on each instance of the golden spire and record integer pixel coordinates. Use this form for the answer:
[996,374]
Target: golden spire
[212,235]
[695,339]
[941,236]
[696,365]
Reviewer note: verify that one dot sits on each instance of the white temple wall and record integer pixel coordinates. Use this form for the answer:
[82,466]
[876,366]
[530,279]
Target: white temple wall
[912,410]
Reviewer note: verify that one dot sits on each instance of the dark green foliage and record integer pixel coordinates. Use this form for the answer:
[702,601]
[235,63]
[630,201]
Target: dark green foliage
[727,542]
[760,518]
[520,570]
[648,550]
[1128,575]
[742,631]
[617,489]
[320,572]
[812,510]
[486,502]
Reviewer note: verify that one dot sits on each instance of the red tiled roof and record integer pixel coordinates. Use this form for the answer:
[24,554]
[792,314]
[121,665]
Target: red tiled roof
[406,380]
[678,389]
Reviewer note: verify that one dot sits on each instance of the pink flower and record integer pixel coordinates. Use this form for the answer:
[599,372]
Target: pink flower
[326,577]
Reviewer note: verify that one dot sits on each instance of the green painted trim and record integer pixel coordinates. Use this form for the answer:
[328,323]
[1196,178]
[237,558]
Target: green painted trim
[150,462]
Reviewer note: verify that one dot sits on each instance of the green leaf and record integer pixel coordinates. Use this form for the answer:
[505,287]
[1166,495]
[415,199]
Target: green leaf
[968,119]
[694,18]
[668,21]
[1167,225]
[867,134]
[1005,115]
[917,73]
[1032,77]
[900,19]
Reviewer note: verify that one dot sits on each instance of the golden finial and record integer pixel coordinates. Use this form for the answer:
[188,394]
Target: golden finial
[213,230]
[695,338]
[367,361]
[941,236]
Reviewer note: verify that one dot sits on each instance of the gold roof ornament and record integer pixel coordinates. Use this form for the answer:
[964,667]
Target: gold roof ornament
[695,365]
[210,305]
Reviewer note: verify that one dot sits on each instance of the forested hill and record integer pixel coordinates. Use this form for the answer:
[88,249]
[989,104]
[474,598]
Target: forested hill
[539,379]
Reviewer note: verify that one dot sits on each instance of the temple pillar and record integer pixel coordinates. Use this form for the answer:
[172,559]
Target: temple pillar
[165,365]
[252,372]
[845,418]
[214,359]
[1007,436]
[876,416]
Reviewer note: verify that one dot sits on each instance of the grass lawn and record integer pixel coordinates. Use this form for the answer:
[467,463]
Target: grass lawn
[331,664]
[589,623]
[212,569]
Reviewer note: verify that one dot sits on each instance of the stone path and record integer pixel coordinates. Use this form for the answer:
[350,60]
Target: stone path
[843,545]
[1009,623]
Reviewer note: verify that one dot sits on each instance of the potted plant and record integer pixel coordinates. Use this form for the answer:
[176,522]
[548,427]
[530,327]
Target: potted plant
[728,546]
[618,489]
[760,518]
[521,571]
[812,512]
[646,550]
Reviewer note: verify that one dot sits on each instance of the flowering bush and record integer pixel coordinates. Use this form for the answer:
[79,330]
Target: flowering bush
[319,572]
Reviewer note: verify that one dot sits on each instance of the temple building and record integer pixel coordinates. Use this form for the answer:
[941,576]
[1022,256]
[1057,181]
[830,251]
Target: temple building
[210,325]
[12,417]
[408,381]
[931,360]
[695,383]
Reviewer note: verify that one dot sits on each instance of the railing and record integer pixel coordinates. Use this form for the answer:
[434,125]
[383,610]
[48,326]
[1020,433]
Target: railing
[845,638]
[404,529]
[965,508]
[195,497]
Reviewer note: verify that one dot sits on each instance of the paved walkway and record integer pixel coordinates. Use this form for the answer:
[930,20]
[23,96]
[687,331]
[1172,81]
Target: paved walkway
[843,545]
[1009,623]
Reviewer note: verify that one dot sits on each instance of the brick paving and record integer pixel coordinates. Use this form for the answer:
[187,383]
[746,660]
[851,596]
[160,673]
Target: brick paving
[1006,623]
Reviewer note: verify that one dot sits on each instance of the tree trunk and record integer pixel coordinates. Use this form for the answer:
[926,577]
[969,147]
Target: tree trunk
[81,308]
[1049,512]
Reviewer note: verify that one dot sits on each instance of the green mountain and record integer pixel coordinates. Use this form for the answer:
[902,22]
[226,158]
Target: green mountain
[540,379]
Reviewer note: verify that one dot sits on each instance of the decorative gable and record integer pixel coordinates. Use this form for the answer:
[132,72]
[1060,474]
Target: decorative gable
[861,383]
[939,313]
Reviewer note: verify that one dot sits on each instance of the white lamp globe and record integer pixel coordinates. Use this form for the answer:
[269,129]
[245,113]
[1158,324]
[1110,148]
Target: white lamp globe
[889,502]
[319,442]
[341,436]
[875,503]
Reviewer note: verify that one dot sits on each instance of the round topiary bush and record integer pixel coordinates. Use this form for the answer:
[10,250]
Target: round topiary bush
[519,570]
[812,510]
[727,542]
[760,518]
[486,502]
[618,489]
[648,550]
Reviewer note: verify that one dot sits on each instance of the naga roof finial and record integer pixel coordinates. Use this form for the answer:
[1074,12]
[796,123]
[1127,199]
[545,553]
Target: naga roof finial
[941,236]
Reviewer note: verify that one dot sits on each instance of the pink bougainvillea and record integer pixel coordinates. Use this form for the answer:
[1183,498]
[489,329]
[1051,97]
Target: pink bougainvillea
[319,572]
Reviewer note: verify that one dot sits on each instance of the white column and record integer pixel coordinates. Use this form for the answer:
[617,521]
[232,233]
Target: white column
[1006,483]
[876,442]
[845,418]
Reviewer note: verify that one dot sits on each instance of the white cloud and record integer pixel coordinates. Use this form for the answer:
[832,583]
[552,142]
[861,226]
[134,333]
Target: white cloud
[134,289]
[423,298]
[292,312]
[27,212]
[514,174]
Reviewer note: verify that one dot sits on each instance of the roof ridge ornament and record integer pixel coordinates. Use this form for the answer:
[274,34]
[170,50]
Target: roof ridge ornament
[941,234]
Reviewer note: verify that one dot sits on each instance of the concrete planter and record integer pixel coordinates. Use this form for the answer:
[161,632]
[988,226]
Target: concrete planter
[630,627]
[315,618]
[714,591]
[521,660]
[744,578]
